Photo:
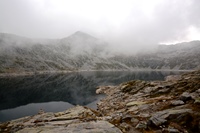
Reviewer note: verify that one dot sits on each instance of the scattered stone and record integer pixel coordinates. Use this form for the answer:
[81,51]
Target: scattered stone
[126,117]
[197,100]
[198,91]
[134,121]
[107,118]
[177,102]
[101,89]
[144,106]
[164,90]
[185,97]
[150,89]
[135,103]
[133,108]
[141,125]
[187,78]
[173,78]
[172,130]
[124,127]
[143,115]
[41,111]
[194,95]
[117,119]
[156,120]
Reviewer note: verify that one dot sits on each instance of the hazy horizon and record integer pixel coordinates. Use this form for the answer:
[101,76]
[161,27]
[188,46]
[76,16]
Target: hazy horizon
[126,25]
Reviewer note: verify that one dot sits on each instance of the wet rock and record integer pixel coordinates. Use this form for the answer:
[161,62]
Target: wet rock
[177,102]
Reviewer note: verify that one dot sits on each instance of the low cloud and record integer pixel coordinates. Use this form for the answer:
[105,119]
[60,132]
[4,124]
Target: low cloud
[128,25]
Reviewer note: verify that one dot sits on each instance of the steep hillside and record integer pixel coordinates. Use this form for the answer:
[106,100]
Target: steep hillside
[72,53]
[81,51]
[182,56]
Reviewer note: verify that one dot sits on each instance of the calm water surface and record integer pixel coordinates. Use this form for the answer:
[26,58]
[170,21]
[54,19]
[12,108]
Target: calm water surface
[26,95]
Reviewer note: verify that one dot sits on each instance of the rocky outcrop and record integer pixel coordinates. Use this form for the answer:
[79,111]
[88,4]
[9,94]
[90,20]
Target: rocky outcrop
[157,106]
[170,106]
[75,120]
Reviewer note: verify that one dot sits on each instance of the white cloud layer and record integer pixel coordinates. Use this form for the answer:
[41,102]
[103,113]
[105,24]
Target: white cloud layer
[127,23]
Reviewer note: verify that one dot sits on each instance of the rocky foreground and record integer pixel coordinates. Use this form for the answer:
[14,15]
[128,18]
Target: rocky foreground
[170,106]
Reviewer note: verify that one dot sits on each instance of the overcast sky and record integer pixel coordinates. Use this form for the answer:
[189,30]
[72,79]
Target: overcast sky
[118,21]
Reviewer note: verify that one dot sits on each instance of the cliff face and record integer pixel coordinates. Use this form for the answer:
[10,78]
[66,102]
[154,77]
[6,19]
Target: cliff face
[136,106]
[81,51]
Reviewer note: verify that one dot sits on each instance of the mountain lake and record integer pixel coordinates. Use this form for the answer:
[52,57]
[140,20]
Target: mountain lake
[25,95]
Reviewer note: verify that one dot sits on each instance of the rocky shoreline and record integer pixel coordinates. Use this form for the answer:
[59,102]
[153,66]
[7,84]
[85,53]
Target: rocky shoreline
[170,106]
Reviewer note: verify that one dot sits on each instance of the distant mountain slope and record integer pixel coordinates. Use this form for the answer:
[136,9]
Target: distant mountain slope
[81,51]
[184,56]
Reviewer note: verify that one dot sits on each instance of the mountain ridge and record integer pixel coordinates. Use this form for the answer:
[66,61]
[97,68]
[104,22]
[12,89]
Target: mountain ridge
[81,51]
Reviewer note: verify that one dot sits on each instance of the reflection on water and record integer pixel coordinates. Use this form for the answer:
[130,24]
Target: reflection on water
[25,95]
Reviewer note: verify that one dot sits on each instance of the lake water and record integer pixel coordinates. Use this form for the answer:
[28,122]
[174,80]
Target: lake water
[26,95]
